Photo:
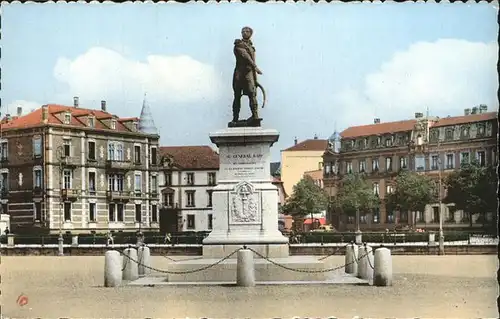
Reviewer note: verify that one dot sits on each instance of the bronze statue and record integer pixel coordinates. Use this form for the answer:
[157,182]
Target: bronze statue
[245,79]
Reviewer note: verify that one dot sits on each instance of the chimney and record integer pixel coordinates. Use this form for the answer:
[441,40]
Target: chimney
[295,141]
[474,110]
[45,114]
[376,121]
[103,106]
[483,108]
[75,101]
[467,112]
[419,115]
[19,110]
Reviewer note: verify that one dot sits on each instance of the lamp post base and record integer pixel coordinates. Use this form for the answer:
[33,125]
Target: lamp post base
[441,243]
[60,242]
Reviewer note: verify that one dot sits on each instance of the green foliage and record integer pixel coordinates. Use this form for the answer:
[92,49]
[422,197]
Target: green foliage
[473,188]
[307,198]
[412,192]
[355,193]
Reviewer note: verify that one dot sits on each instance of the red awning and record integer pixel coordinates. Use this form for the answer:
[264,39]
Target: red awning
[322,221]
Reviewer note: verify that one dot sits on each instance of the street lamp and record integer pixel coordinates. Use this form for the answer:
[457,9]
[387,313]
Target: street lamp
[60,240]
[440,167]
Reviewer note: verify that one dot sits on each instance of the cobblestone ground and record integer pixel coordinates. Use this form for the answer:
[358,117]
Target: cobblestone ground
[424,286]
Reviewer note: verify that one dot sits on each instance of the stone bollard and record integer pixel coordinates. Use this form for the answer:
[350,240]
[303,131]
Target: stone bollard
[10,240]
[74,240]
[351,253]
[382,274]
[112,269]
[245,269]
[144,258]
[432,238]
[366,262]
[130,268]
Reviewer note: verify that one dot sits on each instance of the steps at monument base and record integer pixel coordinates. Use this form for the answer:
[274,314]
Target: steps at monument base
[264,270]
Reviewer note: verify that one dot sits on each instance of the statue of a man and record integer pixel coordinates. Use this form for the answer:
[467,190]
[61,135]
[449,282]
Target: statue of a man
[245,74]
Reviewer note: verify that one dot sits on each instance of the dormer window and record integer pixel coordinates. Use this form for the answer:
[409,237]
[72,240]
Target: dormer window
[91,122]
[67,118]
[113,124]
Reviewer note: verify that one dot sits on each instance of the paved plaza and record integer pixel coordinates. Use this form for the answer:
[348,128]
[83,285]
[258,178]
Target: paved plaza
[424,286]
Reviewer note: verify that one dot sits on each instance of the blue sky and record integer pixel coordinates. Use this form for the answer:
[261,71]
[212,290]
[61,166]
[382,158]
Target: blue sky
[325,65]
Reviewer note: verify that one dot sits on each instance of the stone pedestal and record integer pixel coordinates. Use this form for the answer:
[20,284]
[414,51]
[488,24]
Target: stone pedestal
[10,240]
[245,202]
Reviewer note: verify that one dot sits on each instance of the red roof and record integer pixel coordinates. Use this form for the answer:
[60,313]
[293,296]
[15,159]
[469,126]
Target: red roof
[35,118]
[407,125]
[309,145]
[192,157]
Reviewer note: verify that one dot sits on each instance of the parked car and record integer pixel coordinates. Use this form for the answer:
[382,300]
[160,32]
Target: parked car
[324,228]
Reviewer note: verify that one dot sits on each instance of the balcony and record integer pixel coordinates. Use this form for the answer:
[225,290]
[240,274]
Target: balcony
[70,162]
[118,165]
[37,191]
[119,195]
[154,194]
[4,193]
[70,194]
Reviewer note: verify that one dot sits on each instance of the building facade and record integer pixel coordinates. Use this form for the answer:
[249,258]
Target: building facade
[300,158]
[428,145]
[71,169]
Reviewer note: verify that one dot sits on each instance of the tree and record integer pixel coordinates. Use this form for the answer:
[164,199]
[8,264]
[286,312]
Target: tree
[473,189]
[355,194]
[307,198]
[412,192]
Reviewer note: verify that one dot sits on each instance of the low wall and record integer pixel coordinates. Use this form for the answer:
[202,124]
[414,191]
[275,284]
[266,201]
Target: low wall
[295,249]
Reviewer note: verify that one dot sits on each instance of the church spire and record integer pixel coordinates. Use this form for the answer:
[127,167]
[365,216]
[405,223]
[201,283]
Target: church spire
[146,122]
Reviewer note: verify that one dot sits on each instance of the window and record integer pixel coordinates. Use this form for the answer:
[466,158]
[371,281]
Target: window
[67,118]
[111,212]
[362,166]
[154,213]
[153,155]
[375,164]
[168,199]
[91,121]
[115,151]
[389,189]
[4,182]
[379,140]
[403,217]
[210,221]
[348,167]
[91,150]
[388,141]
[388,164]
[419,140]
[138,183]
[3,151]
[67,179]
[376,216]
[67,211]
[465,132]
[92,212]
[403,163]
[37,178]
[390,217]
[119,212]
[115,182]
[419,163]
[435,162]
[190,198]
[168,179]
[450,161]
[138,213]
[119,152]
[464,158]
[420,217]
[480,129]
[435,214]
[67,148]
[37,146]
[209,197]
[154,184]
[448,135]
[113,124]
[376,189]
[38,211]
[92,188]
[481,158]
[137,154]
[211,179]
[190,221]
[190,178]
[363,218]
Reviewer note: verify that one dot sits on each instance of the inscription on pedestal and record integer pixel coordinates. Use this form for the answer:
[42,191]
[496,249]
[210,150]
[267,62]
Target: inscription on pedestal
[244,205]
[243,165]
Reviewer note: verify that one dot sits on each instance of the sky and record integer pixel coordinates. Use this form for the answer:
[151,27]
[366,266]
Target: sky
[325,66]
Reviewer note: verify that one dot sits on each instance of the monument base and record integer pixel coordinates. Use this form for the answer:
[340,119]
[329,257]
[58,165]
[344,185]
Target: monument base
[266,250]
[250,122]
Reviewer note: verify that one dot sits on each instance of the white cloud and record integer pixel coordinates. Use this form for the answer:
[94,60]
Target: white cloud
[447,76]
[103,73]
[26,107]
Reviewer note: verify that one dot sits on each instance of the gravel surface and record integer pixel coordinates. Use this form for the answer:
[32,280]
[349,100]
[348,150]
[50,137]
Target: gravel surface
[424,286]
